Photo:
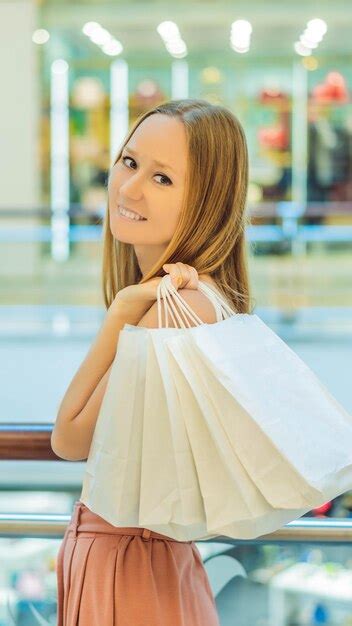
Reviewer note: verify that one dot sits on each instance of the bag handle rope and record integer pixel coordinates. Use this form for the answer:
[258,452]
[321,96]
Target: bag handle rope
[166,291]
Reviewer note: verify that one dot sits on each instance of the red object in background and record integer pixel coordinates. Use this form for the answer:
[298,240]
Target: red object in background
[322,510]
[274,137]
[277,136]
[272,96]
[333,89]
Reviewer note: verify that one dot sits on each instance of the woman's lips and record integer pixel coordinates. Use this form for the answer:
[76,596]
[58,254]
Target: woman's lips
[130,219]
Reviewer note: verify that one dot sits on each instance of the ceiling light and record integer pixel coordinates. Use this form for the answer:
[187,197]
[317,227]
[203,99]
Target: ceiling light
[241,27]
[40,36]
[317,26]
[168,30]
[90,27]
[308,43]
[301,49]
[112,47]
[100,36]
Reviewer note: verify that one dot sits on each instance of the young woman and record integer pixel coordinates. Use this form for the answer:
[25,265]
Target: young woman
[176,204]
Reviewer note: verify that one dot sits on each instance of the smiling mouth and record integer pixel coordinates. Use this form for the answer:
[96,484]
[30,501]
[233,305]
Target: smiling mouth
[130,215]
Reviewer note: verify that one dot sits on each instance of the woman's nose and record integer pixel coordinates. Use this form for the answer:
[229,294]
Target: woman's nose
[133,187]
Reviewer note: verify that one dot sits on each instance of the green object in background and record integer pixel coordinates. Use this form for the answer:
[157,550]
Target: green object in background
[78,121]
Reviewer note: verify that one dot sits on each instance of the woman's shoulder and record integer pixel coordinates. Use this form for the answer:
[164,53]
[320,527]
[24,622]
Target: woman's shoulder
[209,280]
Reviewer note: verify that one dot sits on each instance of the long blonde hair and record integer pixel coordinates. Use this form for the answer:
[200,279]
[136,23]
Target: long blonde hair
[210,234]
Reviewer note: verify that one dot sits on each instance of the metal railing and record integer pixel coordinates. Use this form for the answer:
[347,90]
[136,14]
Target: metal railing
[24,442]
[303,530]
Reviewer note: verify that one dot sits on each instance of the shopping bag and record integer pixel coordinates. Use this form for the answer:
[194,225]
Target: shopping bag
[111,481]
[132,442]
[228,493]
[187,442]
[234,506]
[278,402]
[268,403]
[160,477]
[170,500]
[285,489]
[113,474]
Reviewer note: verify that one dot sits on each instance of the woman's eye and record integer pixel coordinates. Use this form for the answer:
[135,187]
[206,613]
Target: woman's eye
[166,178]
[169,182]
[126,157]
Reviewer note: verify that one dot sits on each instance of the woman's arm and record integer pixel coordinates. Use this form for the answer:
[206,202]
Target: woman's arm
[74,427]
[73,430]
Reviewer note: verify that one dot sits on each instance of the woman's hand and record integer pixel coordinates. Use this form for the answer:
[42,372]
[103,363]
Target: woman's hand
[135,300]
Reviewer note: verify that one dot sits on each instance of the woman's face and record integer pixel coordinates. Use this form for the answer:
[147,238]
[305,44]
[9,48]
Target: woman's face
[138,183]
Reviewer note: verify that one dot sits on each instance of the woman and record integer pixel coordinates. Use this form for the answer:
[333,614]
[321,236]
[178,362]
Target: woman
[176,204]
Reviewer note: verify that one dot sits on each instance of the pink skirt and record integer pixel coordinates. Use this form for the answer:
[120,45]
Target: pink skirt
[127,576]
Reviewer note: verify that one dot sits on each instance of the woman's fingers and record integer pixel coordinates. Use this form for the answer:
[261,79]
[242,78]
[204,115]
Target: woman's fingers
[194,277]
[182,275]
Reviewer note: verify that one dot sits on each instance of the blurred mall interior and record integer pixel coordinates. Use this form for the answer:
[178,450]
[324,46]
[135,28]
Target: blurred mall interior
[75,76]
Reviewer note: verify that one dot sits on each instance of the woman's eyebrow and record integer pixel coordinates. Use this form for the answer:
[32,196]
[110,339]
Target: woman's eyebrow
[163,165]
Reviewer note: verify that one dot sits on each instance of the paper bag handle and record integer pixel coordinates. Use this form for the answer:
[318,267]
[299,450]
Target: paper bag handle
[166,291]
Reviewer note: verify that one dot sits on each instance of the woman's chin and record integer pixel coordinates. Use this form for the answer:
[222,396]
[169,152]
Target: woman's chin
[125,237]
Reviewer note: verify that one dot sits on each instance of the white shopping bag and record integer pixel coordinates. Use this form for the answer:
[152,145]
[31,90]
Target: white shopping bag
[170,498]
[192,443]
[273,474]
[233,505]
[111,482]
[291,434]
